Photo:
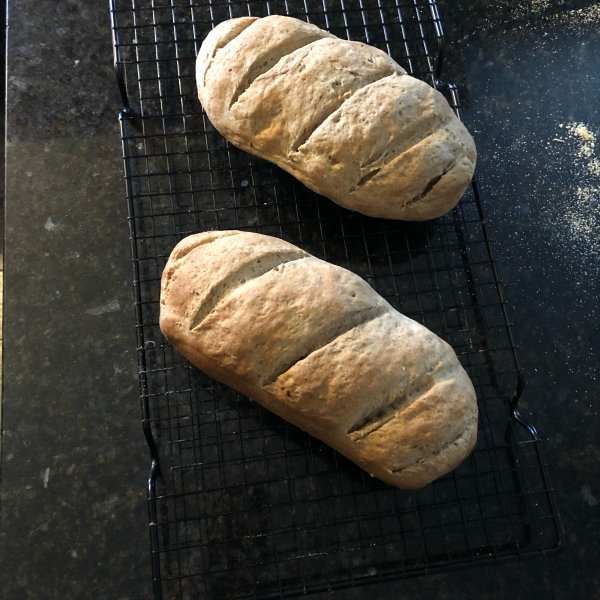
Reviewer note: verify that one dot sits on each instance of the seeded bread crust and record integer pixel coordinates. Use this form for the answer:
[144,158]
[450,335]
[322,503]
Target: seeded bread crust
[315,344]
[343,117]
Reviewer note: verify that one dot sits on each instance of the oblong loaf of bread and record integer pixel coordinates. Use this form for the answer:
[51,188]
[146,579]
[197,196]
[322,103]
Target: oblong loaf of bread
[343,117]
[315,344]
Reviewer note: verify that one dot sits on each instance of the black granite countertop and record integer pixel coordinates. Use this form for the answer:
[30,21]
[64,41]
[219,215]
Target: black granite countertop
[74,462]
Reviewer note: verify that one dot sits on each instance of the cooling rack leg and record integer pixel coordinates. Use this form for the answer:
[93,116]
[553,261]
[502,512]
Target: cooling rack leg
[117,58]
[155,470]
[439,32]
[153,528]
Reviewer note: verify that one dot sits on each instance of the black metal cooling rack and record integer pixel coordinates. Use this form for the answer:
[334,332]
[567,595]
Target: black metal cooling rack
[241,503]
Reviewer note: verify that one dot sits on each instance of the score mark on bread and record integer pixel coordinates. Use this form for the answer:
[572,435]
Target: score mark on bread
[315,344]
[343,117]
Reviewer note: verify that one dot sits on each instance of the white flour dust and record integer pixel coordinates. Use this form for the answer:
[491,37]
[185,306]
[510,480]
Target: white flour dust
[586,137]
[533,13]
[578,19]
[577,226]
[572,19]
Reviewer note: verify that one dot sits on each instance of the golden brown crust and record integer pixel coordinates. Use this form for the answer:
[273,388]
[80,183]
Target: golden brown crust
[342,117]
[318,346]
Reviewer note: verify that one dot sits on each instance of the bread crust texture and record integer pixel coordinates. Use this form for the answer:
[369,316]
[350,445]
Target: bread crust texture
[342,117]
[315,344]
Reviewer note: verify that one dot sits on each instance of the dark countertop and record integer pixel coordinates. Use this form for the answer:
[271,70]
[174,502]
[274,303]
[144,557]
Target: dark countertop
[74,462]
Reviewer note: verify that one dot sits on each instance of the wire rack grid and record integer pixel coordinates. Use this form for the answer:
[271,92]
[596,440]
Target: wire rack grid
[241,503]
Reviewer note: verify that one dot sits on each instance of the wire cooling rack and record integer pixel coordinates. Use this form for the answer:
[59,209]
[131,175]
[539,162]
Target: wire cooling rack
[241,503]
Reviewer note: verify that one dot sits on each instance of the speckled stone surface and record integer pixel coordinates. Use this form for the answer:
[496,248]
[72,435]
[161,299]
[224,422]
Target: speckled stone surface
[74,462]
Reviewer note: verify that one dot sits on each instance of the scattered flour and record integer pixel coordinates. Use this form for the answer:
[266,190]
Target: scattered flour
[578,225]
[593,167]
[533,6]
[586,149]
[580,18]
[531,13]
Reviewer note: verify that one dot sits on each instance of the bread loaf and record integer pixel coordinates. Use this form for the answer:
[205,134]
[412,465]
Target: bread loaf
[315,344]
[342,117]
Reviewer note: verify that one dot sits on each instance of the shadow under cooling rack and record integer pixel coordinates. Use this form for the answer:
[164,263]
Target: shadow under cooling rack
[241,503]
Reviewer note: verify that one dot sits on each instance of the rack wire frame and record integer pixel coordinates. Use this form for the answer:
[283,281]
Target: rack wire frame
[242,504]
